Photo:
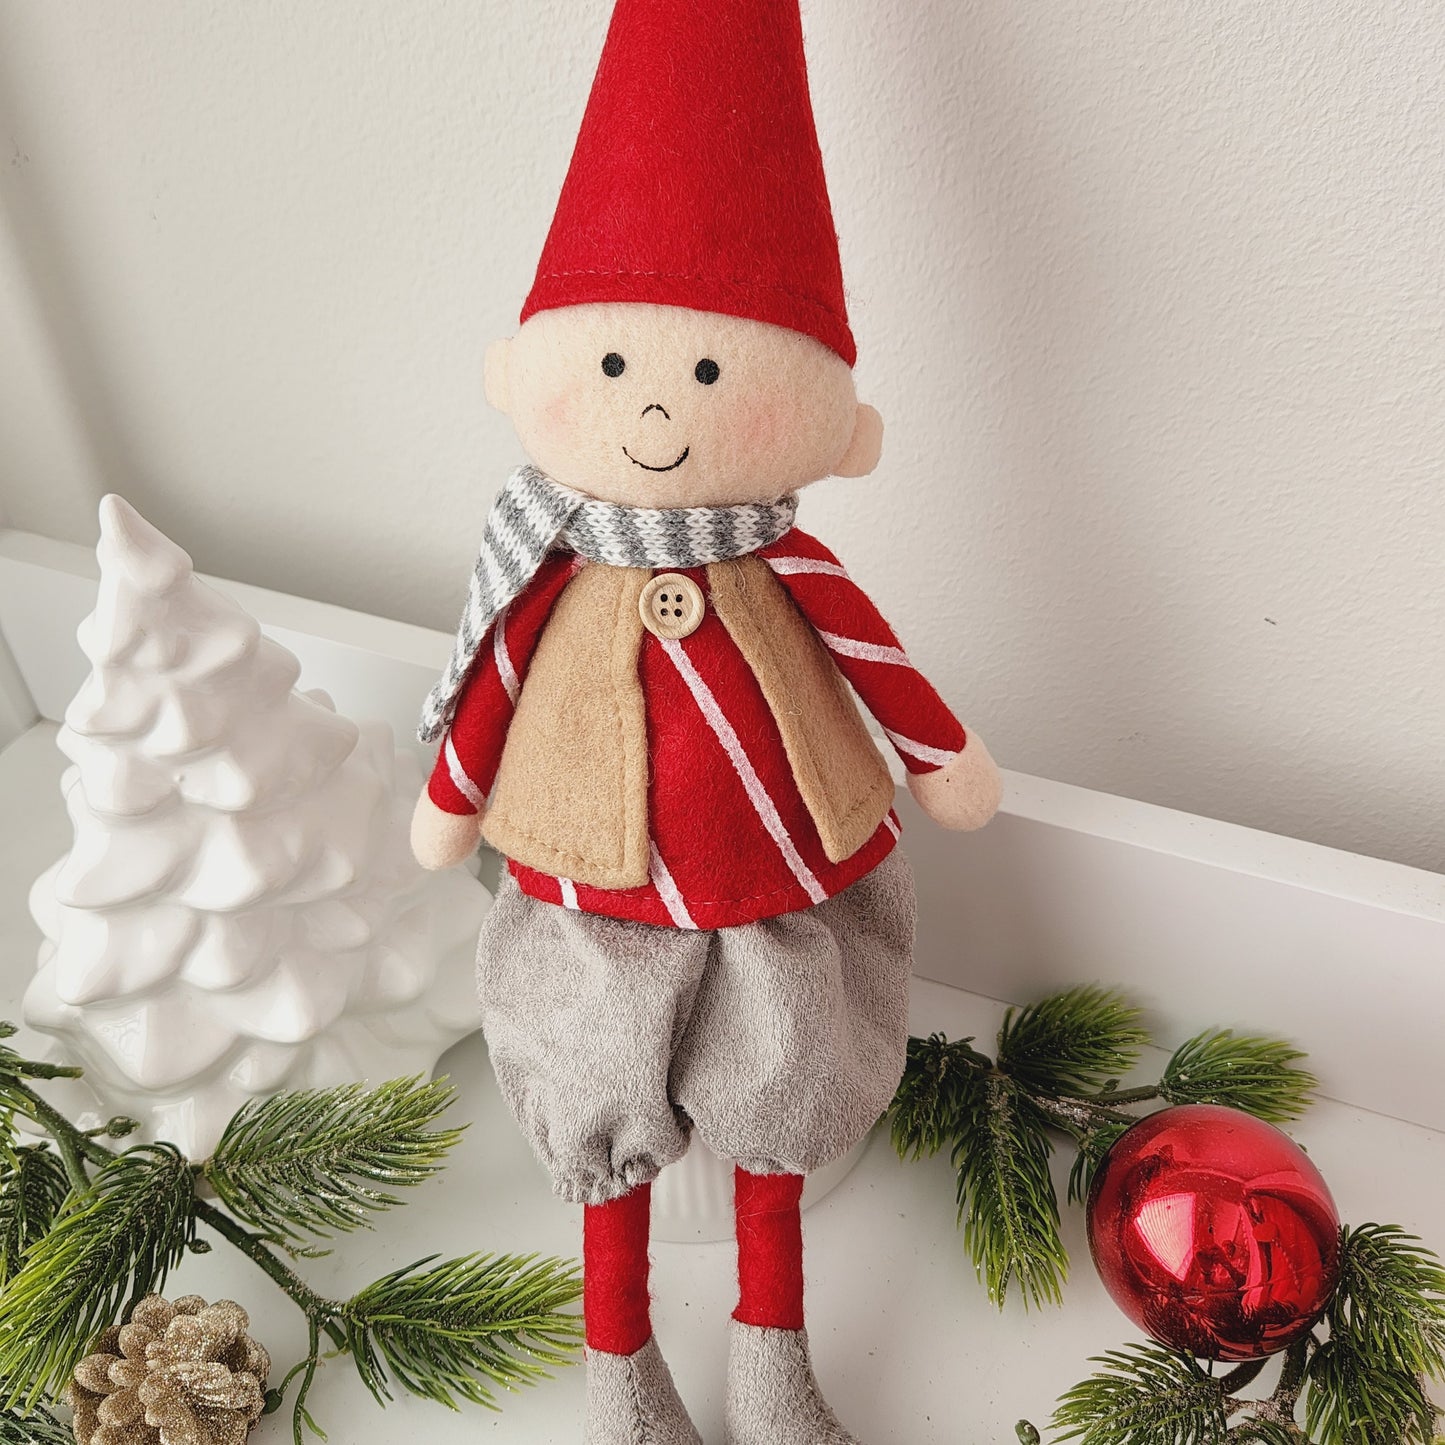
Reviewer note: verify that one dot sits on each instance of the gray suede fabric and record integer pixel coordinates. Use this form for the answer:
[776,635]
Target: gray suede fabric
[781,1041]
[772,1394]
[631,1400]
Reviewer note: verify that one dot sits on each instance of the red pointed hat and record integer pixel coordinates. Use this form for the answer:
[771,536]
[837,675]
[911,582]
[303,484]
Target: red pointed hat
[697,179]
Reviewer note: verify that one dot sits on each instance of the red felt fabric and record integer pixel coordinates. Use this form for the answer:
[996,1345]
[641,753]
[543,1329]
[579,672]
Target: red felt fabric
[724,860]
[903,701]
[615,1306]
[770,1249]
[727,866]
[697,180]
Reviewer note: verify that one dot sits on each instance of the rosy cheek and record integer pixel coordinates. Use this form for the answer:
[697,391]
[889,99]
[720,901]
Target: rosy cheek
[558,413]
[558,419]
[763,427]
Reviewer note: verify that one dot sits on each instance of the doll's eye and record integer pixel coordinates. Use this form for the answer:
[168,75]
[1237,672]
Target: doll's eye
[706,371]
[613,364]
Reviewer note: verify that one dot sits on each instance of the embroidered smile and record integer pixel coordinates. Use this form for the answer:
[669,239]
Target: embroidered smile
[671,466]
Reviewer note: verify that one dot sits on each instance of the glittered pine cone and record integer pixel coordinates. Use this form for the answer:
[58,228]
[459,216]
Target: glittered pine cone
[175,1374]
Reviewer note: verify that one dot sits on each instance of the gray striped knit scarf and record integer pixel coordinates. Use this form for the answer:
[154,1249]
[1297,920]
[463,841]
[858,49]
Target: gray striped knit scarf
[533,514]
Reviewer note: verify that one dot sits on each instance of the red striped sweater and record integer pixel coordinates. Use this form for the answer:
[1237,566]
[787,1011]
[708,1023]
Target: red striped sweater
[732,840]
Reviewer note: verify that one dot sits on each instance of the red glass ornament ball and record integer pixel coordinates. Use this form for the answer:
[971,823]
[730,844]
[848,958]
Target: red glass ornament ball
[1214,1232]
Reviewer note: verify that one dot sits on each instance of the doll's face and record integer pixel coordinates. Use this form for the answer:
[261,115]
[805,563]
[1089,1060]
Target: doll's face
[658,406]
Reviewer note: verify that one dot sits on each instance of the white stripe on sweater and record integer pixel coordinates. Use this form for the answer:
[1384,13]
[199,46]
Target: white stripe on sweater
[464,785]
[669,892]
[891,825]
[569,893]
[792,566]
[867,651]
[505,670]
[921,751]
[763,805]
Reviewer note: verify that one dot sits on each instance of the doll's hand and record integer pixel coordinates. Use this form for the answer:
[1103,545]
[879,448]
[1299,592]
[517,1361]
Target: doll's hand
[440,839]
[963,794]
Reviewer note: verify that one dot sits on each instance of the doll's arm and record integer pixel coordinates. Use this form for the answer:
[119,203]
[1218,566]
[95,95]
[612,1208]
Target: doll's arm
[447,821]
[950,772]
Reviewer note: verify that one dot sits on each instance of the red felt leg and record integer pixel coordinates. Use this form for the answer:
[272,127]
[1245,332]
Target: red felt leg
[614,1272]
[770,1249]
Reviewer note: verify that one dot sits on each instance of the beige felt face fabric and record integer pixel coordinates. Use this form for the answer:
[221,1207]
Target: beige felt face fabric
[691,408]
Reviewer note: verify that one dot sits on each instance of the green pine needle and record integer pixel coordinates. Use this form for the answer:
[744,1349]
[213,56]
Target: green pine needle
[33,1427]
[1092,1149]
[1144,1395]
[1356,1399]
[1072,1043]
[1390,1304]
[13,1067]
[1257,1075]
[932,1098]
[1006,1196]
[314,1161]
[458,1329]
[32,1188]
[106,1249]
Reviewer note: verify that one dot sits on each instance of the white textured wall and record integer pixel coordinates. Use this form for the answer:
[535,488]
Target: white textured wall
[1149,293]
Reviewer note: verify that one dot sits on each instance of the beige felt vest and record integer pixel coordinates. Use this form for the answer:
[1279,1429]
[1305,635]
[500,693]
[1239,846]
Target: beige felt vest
[571,792]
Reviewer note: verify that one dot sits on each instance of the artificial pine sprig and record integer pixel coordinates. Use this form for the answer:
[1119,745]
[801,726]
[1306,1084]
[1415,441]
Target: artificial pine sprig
[1259,1076]
[938,1080]
[500,1326]
[1354,1399]
[1071,1044]
[315,1161]
[1143,1395]
[1006,1196]
[1058,1068]
[1391,1299]
[1360,1379]
[33,1427]
[108,1247]
[33,1185]
[446,1331]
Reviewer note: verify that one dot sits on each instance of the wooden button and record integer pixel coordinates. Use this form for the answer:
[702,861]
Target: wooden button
[672,605]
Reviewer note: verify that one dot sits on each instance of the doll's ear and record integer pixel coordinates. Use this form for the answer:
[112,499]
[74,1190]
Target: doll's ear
[496,376]
[866,446]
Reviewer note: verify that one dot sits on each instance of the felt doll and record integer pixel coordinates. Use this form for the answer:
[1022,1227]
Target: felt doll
[706,923]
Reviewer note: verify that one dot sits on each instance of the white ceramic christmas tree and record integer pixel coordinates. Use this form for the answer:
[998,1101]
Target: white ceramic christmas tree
[240,911]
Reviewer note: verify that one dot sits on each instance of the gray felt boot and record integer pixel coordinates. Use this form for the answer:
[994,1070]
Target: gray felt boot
[772,1395]
[631,1400]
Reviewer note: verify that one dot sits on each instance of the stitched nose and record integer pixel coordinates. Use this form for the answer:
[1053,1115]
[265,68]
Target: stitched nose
[656,406]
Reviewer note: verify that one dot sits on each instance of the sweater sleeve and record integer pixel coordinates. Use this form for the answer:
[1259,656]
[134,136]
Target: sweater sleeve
[916,720]
[471,751]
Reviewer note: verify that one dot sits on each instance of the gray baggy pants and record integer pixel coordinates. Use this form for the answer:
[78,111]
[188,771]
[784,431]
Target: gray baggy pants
[781,1041]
